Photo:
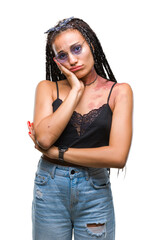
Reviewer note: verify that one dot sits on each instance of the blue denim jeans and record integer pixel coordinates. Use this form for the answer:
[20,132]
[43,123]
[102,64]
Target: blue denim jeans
[72,198]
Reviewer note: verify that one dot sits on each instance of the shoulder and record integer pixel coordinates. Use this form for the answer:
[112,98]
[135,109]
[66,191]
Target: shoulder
[124,87]
[45,89]
[123,90]
[119,88]
[123,95]
[48,83]
[45,84]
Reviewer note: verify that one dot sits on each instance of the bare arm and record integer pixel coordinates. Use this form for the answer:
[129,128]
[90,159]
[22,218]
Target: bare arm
[114,155]
[48,126]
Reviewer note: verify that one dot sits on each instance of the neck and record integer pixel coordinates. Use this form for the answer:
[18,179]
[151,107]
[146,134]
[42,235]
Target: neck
[90,77]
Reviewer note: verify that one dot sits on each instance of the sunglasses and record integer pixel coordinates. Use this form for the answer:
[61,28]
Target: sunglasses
[61,24]
[76,49]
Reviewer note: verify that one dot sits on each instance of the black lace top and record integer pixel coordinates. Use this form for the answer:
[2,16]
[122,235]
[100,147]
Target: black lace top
[88,130]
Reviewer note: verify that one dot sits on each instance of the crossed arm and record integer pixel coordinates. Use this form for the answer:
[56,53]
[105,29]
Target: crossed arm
[115,155]
[112,156]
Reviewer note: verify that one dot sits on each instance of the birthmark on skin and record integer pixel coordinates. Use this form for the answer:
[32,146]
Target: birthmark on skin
[101,85]
[91,105]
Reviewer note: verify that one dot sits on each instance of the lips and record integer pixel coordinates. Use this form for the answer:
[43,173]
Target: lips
[74,69]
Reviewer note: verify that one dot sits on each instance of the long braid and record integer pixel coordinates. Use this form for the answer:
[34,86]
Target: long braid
[91,37]
[104,61]
[100,59]
[101,65]
[47,63]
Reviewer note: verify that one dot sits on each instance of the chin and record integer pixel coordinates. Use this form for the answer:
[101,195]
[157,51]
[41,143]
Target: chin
[80,74]
[83,73]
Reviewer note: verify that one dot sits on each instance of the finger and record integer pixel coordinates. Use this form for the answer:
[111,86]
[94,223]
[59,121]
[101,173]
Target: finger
[29,126]
[32,137]
[63,69]
[36,146]
[32,129]
[28,123]
[29,133]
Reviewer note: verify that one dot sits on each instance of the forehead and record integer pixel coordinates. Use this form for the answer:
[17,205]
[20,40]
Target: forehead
[67,38]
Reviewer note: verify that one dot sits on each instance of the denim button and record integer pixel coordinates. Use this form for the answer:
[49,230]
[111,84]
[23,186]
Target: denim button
[72,172]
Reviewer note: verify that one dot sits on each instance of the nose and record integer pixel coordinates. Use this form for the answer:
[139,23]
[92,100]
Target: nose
[72,59]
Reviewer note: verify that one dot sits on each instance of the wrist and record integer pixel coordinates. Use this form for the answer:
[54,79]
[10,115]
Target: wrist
[77,92]
[62,150]
[78,88]
[52,152]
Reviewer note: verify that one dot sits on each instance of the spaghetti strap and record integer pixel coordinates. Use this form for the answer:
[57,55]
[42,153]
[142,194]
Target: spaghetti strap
[110,92]
[57,89]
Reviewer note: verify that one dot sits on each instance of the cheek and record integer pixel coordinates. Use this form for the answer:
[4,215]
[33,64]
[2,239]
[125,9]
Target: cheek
[81,74]
[89,60]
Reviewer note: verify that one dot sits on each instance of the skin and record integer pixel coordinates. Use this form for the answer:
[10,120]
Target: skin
[48,126]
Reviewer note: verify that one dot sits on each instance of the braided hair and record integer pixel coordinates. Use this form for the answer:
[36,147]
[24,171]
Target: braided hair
[100,62]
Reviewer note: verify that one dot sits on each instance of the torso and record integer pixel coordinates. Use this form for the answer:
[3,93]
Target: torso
[93,97]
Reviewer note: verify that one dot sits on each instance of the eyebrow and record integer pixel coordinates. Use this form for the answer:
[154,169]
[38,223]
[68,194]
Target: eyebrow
[70,47]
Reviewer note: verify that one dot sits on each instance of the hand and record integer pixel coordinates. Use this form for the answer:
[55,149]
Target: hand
[31,131]
[51,152]
[71,77]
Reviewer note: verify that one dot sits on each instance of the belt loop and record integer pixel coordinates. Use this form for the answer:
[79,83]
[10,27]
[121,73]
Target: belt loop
[108,169]
[53,172]
[87,174]
[39,162]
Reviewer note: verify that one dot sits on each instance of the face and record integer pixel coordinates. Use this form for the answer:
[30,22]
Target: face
[73,52]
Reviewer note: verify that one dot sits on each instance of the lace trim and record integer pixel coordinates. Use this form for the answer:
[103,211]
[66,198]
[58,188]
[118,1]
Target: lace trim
[82,122]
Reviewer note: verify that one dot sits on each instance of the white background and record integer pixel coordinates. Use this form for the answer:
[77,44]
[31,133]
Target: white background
[129,31]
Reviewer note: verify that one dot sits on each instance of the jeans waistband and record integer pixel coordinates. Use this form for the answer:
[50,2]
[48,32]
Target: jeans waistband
[53,169]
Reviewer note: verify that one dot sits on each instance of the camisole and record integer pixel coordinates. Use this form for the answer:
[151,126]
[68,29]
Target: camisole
[88,130]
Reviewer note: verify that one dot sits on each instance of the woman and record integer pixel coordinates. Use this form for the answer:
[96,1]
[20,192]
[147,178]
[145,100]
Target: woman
[83,126]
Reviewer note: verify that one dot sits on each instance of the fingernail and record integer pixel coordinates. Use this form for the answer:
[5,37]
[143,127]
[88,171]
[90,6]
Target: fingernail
[56,61]
[29,133]
[29,124]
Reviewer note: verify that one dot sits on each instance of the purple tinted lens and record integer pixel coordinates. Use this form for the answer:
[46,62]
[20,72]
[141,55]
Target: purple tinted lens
[76,49]
[62,57]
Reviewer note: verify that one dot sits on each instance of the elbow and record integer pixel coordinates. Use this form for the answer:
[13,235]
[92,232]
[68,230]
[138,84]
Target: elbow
[43,142]
[121,162]
[118,159]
